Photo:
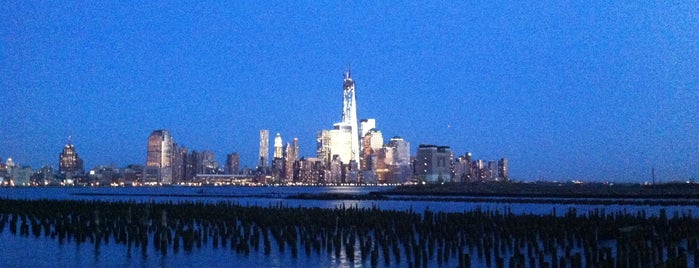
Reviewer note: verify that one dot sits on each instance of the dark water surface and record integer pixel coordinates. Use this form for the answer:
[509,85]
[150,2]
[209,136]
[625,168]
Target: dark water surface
[264,196]
[30,251]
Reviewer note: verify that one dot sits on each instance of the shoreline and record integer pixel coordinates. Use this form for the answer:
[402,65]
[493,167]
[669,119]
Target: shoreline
[551,190]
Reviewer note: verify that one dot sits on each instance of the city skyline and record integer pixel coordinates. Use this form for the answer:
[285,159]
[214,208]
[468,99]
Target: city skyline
[604,91]
[339,160]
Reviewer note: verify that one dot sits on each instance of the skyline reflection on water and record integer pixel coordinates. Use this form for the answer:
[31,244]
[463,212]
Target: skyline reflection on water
[274,196]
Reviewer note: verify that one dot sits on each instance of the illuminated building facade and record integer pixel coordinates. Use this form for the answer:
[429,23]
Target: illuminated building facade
[159,159]
[335,144]
[278,161]
[278,146]
[10,169]
[462,168]
[68,161]
[349,115]
[342,142]
[372,141]
[264,149]
[366,125]
[399,164]
[309,170]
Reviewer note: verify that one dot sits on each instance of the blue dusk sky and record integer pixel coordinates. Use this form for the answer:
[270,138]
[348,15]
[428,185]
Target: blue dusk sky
[595,91]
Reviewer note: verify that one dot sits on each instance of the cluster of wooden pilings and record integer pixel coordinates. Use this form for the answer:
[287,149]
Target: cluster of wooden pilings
[371,237]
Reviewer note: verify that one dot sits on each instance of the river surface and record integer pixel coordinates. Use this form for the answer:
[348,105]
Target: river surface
[263,196]
[42,252]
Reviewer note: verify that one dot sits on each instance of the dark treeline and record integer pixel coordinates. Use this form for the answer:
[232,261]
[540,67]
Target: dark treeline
[372,237]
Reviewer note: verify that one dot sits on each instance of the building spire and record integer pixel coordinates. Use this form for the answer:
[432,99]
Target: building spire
[348,72]
[69,140]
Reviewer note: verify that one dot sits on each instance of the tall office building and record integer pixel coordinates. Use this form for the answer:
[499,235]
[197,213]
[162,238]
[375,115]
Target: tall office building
[503,169]
[194,166]
[69,161]
[309,170]
[278,161]
[479,170]
[208,163]
[292,155]
[342,142]
[232,163]
[335,144]
[264,149]
[349,114]
[434,164]
[159,159]
[401,154]
[462,168]
[492,170]
[371,143]
[323,147]
[278,153]
[367,153]
[179,163]
[366,125]
[399,162]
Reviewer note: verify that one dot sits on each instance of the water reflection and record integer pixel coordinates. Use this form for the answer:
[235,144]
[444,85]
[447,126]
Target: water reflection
[270,196]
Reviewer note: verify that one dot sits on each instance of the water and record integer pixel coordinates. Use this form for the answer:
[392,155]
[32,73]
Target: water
[264,196]
[45,252]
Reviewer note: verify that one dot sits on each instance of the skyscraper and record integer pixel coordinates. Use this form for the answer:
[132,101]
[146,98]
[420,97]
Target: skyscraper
[179,163]
[209,165]
[292,154]
[401,155]
[278,161]
[264,149]
[492,170]
[479,170]
[232,163]
[433,164]
[193,165]
[159,159]
[342,142]
[503,169]
[278,153]
[349,114]
[69,161]
[399,166]
[371,144]
[366,125]
[462,168]
[335,144]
